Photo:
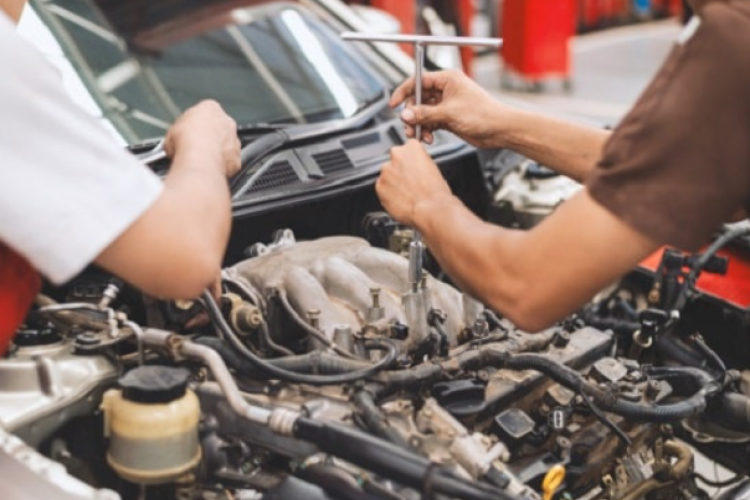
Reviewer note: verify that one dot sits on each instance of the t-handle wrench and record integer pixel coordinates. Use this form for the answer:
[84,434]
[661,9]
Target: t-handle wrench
[420,42]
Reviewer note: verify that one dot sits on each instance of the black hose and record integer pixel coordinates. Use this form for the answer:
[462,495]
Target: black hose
[718,484]
[374,420]
[619,326]
[334,481]
[266,336]
[701,383]
[704,259]
[283,374]
[393,462]
[316,362]
[603,418]
[696,403]
[309,329]
[710,354]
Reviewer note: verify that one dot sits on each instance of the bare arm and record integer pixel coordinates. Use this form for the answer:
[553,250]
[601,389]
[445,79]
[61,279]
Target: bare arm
[534,277]
[175,249]
[566,147]
[456,103]
[537,277]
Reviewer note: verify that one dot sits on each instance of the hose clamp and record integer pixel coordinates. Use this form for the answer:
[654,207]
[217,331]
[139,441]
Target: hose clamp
[282,421]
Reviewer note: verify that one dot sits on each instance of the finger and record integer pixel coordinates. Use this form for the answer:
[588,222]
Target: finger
[428,137]
[402,92]
[424,115]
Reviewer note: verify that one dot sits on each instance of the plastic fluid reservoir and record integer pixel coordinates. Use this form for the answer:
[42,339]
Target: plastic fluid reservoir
[152,423]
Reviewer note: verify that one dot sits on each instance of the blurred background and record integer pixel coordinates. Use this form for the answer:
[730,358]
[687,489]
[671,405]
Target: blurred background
[590,58]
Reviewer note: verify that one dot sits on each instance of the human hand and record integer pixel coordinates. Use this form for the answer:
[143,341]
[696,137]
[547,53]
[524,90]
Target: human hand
[409,180]
[451,101]
[207,128]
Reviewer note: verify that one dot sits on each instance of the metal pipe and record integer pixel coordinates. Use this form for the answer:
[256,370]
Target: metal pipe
[219,370]
[138,332]
[462,41]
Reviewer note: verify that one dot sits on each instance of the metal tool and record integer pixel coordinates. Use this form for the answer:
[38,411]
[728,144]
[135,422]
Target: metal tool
[417,300]
[420,42]
[157,153]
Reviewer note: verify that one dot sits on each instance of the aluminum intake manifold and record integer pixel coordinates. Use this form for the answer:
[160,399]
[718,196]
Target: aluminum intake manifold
[343,281]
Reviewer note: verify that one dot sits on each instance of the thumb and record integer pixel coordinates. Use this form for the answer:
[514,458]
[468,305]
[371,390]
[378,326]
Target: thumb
[423,115]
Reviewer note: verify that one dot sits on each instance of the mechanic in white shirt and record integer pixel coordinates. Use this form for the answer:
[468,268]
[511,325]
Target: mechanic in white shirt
[70,196]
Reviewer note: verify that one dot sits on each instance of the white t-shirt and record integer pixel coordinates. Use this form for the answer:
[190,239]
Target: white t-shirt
[66,189]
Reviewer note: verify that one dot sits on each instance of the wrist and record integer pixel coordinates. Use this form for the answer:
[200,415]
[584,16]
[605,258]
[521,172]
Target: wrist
[516,127]
[427,210]
[499,122]
[199,154]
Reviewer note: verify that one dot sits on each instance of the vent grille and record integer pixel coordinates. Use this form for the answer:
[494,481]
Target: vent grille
[333,161]
[395,136]
[279,174]
[361,141]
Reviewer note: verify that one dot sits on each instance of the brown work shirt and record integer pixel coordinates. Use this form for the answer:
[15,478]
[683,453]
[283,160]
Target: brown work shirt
[679,164]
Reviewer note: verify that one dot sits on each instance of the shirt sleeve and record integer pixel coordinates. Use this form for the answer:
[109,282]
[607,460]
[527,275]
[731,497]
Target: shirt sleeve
[66,189]
[679,164]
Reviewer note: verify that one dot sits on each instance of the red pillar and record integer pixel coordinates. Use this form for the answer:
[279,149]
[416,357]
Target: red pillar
[536,35]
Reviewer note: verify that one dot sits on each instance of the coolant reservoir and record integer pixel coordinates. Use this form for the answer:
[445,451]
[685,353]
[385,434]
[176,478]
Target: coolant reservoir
[152,423]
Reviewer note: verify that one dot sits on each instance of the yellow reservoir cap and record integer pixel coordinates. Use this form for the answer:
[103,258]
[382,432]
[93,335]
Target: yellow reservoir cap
[552,480]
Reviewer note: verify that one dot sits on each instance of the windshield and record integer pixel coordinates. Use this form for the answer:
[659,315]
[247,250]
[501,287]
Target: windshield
[274,63]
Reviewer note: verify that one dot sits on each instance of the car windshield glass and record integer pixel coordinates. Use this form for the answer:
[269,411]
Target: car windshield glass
[275,63]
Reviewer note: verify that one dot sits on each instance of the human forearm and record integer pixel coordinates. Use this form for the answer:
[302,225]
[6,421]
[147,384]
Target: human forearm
[175,249]
[456,103]
[477,256]
[568,148]
[533,277]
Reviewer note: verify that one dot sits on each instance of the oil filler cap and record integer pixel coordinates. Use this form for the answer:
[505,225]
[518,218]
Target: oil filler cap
[154,384]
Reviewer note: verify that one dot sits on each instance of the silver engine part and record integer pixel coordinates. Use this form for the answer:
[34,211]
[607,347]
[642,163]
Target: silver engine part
[27,475]
[533,199]
[342,281]
[43,387]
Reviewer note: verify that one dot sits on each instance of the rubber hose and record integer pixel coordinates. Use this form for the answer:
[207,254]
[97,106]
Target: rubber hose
[705,386]
[374,419]
[390,461]
[381,344]
[620,327]
[334,481]
[673,349]
[322,363]
[637,411]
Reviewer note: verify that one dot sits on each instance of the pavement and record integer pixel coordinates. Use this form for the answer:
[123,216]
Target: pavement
[610,69]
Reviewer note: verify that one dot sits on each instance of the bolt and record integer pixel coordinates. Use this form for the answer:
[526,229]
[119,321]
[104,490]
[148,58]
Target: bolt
[481,328]
[87,339]
[375,294]
[562,339]
[313,317]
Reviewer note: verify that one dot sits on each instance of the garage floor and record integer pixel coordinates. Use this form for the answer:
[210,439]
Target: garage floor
[610,70]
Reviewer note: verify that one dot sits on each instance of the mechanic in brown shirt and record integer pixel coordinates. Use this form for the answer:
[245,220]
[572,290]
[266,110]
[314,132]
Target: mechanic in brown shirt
[673,171]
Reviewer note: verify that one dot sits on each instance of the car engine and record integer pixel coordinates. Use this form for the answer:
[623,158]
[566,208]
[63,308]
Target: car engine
[308,378]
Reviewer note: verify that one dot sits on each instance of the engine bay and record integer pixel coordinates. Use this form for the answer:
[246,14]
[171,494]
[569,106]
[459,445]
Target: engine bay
[309,377]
